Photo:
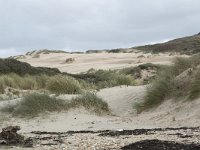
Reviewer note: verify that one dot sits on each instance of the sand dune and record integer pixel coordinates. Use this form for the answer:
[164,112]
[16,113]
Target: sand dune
[84,62]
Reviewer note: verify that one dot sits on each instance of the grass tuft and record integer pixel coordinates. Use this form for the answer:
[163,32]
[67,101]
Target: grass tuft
[195,86]
[63,85]
[91,102]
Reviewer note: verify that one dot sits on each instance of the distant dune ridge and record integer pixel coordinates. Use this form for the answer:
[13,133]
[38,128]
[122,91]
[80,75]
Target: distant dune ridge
[185,45]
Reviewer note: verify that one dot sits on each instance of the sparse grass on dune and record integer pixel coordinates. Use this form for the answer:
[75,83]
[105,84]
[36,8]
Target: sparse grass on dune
[181,80]
[34,104]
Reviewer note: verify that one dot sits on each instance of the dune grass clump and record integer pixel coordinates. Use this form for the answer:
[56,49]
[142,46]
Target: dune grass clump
[63,85]
[156,94]
[34,104]
[91,102]
[2,86]
[181,80]
[180,64]
[195,86]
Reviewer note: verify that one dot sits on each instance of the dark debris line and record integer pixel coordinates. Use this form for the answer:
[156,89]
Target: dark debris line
[160,145]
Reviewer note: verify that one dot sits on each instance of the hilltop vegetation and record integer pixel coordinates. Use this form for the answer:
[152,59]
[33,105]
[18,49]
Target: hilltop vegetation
[186,45]
[45,51]
[21,68]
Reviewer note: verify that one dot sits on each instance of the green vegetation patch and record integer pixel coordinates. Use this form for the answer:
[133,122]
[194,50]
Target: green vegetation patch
[63,85]
[34,104]
[105,78]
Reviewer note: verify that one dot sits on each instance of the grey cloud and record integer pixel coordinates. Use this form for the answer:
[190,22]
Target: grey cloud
[93,24]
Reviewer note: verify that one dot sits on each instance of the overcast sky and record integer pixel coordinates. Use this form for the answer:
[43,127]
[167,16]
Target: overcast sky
[78,25]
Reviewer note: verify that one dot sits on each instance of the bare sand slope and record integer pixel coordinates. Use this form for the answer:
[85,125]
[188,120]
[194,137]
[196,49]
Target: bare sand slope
[84,62]
[120,100]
